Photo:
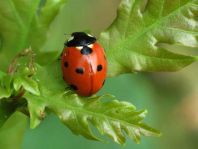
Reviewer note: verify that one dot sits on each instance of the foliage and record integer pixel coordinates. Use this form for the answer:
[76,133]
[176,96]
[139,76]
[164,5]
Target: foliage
[47,91]
[12,131]
[30,19]
[144,31]
[79,113]
[138,40]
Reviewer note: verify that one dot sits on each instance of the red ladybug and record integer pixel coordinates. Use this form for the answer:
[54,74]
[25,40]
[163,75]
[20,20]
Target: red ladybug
[84,64]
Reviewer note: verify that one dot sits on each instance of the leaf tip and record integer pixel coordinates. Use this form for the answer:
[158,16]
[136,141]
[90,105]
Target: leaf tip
[34,123]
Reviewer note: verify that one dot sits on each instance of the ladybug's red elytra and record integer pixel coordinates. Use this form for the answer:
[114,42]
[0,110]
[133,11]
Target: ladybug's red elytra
[84,64]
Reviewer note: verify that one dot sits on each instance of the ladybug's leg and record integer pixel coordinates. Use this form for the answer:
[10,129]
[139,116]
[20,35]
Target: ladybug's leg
[68,90]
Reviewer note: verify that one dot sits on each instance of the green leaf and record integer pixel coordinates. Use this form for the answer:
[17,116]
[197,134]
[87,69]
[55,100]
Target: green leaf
[46,13]
[27,83]
[12,132]
[11,84]
[45,89]
[145,30]
[49,10]
[109,116]
[15,27]
[50,56]
[5,86]
[25,24]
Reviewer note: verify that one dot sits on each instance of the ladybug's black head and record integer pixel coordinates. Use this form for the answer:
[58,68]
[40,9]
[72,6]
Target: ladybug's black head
[80,39]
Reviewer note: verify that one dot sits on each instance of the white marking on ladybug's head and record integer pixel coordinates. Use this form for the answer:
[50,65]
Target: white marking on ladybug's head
[90,45]
[79,47]
[71,38]
[90,35]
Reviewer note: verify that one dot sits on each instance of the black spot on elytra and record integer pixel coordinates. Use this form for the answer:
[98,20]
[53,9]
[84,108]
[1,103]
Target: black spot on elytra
[86,50]
[79,70]
[99,67]
[66,64]
[74,87]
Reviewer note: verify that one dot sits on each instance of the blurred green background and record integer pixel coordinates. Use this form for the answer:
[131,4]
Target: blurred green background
[170,98]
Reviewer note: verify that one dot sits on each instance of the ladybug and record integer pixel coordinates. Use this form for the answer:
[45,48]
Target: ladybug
[84,64]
